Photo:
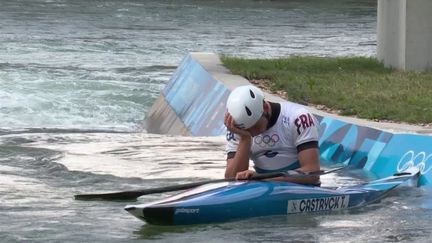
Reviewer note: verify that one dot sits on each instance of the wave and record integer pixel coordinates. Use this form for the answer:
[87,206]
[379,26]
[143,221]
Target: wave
[62,130]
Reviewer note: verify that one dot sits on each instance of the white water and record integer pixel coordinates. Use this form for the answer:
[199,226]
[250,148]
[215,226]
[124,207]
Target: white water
[77,78]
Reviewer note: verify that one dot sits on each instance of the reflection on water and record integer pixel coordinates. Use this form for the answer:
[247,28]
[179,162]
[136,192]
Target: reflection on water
[390,219]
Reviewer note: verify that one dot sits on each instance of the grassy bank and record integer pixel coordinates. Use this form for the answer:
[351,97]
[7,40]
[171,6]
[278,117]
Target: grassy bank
[357,86]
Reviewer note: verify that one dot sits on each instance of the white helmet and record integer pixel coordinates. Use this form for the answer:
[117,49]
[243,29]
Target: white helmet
[245,105]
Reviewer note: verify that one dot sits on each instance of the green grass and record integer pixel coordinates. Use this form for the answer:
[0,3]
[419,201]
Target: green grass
[357,86]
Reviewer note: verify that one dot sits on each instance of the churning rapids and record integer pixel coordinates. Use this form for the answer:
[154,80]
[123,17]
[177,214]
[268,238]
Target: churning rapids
[77,78]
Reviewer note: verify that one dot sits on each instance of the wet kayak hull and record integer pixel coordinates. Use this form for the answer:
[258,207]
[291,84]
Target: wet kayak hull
[221,202]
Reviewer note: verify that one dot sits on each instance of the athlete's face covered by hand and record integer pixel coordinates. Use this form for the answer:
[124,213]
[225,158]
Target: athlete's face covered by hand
[259,127]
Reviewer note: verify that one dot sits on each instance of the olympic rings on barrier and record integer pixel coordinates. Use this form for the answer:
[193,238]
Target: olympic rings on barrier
[422,161]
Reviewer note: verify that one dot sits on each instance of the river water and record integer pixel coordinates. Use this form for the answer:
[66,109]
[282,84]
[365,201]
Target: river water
[77,78]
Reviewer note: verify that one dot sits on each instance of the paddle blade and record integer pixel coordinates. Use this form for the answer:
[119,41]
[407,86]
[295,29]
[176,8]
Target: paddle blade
[126,195]
[132,195]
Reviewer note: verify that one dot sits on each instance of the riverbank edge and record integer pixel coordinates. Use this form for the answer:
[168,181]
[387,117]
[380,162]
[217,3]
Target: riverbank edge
[216,68]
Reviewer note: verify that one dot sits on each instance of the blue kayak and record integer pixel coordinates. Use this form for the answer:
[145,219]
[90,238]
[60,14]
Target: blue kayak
[227,201]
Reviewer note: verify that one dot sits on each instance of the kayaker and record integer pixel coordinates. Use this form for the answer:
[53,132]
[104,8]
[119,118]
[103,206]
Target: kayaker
[275,136]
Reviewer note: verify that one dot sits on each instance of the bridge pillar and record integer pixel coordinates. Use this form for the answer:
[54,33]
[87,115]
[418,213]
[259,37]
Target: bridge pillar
[404,34]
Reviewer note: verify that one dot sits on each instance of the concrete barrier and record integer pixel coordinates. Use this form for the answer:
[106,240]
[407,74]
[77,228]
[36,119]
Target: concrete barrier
[404,34]
[193,103]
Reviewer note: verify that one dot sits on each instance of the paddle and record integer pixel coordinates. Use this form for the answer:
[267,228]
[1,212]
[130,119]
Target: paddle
[133,194]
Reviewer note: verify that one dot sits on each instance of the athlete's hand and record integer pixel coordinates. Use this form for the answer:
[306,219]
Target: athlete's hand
[245,175]
[230,124]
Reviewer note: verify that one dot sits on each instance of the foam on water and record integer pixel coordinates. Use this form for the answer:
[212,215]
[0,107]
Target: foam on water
[77,78]
[146,156]
[42,171]
[80,64]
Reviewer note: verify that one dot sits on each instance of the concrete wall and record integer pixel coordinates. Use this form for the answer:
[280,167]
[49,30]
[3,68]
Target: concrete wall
[193,103]
[418,35]
[404,34]
[162,119]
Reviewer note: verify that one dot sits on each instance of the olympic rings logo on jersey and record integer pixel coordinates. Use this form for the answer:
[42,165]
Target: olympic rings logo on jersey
[266,140]
[422,161]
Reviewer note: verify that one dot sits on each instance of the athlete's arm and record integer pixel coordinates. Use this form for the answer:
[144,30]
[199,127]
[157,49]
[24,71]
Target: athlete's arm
[239,160]
[306,140]
[308,157]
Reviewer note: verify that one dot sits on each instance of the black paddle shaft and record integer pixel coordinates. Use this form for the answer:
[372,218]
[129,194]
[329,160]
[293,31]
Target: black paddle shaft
[133,194]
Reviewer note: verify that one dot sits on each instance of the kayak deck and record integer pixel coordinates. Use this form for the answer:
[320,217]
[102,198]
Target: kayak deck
[226,201]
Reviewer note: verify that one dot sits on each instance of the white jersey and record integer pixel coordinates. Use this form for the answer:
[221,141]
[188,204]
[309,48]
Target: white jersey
[276,148]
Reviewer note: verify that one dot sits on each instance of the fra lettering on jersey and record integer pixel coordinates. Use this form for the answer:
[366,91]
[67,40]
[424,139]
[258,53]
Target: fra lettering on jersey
[303,121]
